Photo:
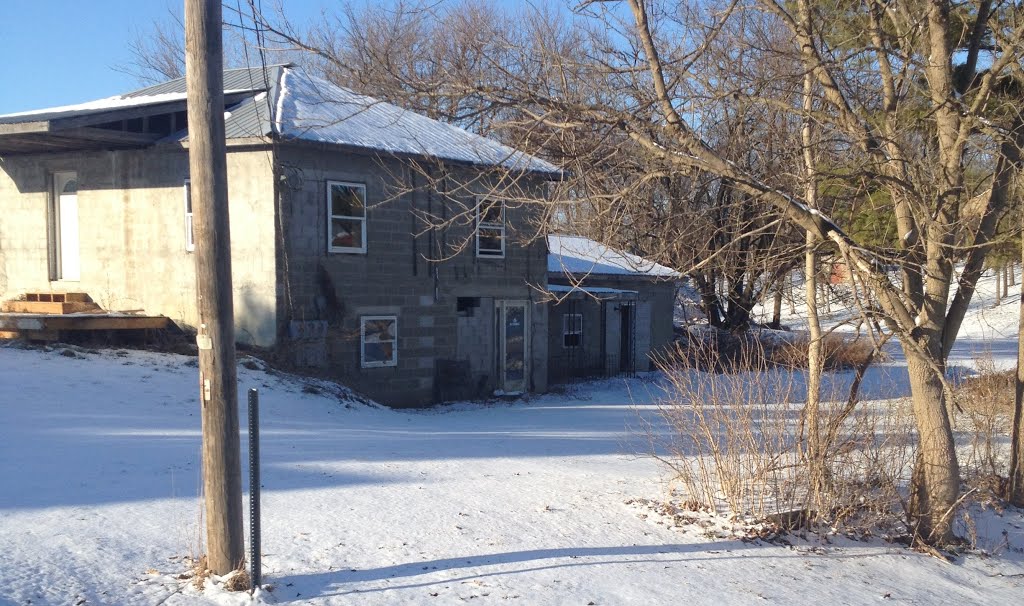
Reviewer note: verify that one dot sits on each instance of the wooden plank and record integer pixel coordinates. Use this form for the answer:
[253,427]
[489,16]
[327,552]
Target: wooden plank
[105,322]
[43,307]
[33,307]
[31,335]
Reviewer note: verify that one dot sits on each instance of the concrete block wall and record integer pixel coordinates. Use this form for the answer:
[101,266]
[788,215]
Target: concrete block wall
[564,362]
[654,308]
[397,275]
[132,232]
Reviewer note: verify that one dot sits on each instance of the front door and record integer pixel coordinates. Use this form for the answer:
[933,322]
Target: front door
[513,343]
[69,265]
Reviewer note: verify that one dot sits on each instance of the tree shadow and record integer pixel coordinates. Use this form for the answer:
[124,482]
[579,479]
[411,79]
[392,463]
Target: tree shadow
[347,582]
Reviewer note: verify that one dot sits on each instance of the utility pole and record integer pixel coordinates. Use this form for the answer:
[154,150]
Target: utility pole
[222,471]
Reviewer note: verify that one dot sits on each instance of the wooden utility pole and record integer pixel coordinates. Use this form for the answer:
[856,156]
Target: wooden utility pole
[222,471]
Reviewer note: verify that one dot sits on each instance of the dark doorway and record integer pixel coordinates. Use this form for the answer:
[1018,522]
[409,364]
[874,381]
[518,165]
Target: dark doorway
[626,337]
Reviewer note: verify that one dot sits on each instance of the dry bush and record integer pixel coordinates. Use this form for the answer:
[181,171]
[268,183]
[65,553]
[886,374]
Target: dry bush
[736,443]
[985,415]
[728,442]
[717,350]
[840,353]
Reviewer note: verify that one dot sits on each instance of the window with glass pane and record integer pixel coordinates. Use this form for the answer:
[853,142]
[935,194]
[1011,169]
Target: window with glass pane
[346,222]
[190,236]
[490,228]
[379,341]
[572,330]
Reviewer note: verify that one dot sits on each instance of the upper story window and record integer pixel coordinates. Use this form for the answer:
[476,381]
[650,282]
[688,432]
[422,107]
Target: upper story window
[490,228]
[346,217]
[190,235]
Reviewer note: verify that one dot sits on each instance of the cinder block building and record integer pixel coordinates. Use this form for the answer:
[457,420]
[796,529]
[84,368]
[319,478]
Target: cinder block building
[367,240]
[611,311]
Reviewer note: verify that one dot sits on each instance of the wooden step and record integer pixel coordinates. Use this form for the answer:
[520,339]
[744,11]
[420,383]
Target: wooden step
[58,297]
[50,307]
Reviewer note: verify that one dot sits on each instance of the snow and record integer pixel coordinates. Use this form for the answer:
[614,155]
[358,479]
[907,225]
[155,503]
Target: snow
[529,502]
[987,338]
[593,290]
[107,103]
[582,256]
[314,109]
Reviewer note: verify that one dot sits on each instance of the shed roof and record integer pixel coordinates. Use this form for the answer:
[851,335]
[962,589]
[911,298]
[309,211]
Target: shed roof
[579,256]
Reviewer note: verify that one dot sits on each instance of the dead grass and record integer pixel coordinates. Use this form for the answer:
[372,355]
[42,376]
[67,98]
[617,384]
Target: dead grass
[720,351]
[200,572]
[238,581]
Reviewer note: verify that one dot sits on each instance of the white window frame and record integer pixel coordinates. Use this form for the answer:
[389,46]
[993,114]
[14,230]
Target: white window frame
[190,234]
[572,324]
[481,224]
[330,220]
[362,342]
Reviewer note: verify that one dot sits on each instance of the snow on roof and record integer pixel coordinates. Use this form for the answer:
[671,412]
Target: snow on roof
[305,107]
[314,109]
[590,290]
[105,104]
[581,256]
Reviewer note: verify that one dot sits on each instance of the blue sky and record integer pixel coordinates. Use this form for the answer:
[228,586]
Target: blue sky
[58,52]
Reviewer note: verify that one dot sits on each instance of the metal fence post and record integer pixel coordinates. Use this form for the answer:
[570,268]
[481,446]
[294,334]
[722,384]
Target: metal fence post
[254,488]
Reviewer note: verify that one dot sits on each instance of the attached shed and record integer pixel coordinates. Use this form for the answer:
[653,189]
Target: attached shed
[609,310]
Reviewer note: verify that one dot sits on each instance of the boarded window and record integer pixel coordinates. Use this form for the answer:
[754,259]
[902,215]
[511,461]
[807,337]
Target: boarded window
[378,341]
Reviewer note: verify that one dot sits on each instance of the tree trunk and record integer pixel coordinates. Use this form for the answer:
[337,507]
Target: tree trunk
[1016,483]
[1006,280]
[815,460]
[777,307]
[936,480]
[789,290]
[999,290]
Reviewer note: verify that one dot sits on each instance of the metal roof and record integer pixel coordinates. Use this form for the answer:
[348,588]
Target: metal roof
[280,100]
[238,79]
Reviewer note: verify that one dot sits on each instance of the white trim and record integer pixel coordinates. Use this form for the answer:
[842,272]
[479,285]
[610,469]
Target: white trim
[190,234]
[60,181]
[567,329]
[330,219]
[362,342]
[480,224]
[501,308]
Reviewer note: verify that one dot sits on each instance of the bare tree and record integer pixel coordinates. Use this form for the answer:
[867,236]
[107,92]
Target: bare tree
[905,117]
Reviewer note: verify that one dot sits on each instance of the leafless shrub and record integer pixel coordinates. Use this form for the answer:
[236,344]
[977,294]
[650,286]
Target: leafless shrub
[840,353]
[736,444]
[985,408]
[718,350]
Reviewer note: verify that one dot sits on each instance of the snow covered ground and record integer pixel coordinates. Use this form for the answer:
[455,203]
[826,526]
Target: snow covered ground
[485,503]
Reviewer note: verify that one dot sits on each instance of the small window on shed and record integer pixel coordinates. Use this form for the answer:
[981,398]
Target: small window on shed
[572,330]
[465,306]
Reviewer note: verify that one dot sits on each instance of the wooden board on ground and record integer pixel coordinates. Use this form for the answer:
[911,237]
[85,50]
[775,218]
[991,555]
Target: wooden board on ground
[51,307]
